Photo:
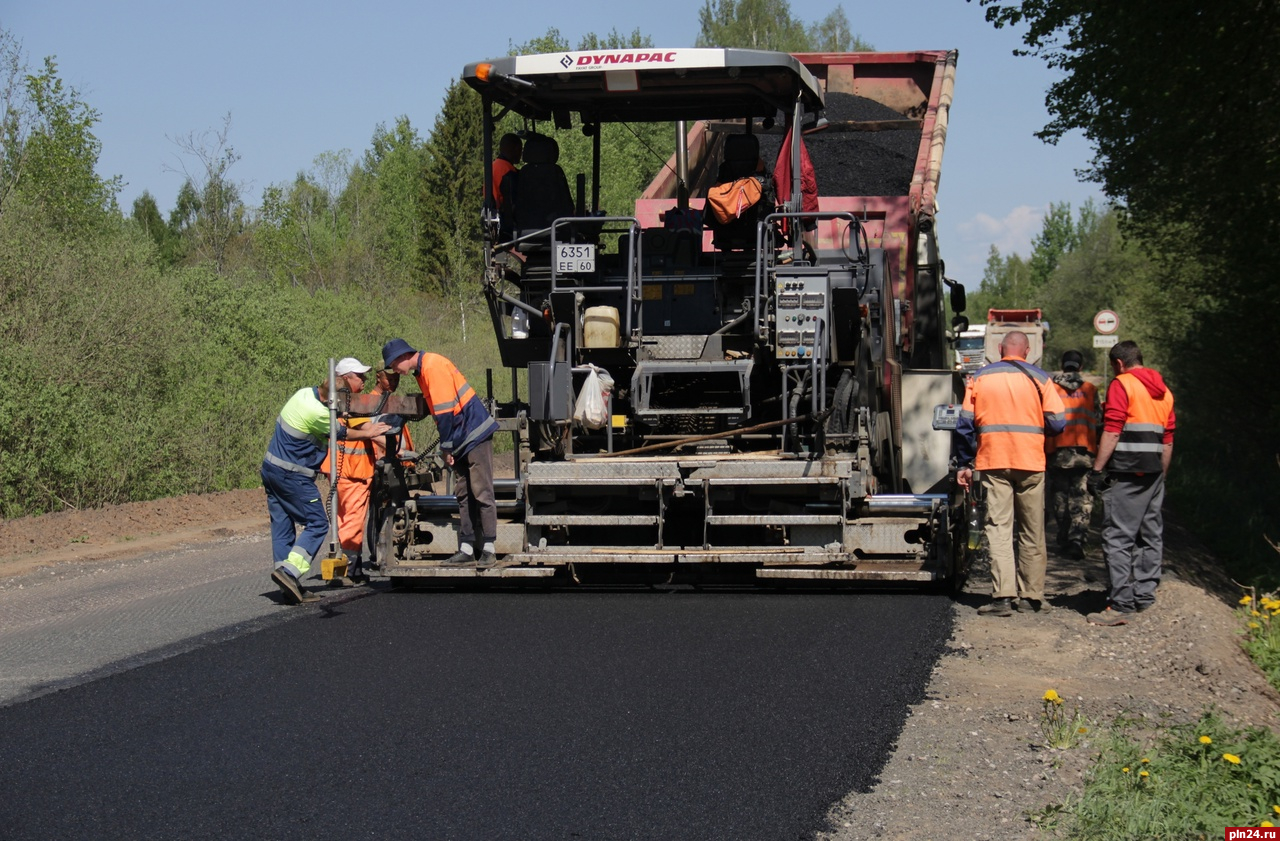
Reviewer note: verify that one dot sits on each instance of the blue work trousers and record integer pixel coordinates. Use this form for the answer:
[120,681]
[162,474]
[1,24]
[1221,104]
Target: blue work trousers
[293,500]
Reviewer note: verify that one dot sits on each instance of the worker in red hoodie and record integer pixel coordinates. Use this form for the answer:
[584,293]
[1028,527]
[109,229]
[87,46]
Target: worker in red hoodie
[1135,451]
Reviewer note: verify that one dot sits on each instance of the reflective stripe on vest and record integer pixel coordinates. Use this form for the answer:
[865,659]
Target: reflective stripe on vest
[272,458]
[292,431]
[1141,443]
[443,384]
[1008,407]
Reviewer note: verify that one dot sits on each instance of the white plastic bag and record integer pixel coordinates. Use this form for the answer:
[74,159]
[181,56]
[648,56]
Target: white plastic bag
[592,408]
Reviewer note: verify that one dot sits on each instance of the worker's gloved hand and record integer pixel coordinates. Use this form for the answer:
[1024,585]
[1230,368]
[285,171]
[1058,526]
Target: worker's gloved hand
[1097,482]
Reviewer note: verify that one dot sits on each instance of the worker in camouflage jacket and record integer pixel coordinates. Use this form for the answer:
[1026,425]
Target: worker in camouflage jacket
[1071,453]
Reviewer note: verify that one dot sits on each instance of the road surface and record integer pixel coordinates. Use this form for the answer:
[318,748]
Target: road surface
[172,697]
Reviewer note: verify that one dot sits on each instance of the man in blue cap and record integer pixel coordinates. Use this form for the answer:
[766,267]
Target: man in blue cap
[466,442]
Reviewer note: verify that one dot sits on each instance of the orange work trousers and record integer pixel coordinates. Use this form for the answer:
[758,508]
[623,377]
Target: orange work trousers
[353,508]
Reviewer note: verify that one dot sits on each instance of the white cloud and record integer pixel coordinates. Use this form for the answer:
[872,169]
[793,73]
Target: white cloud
[1011,235]
[967,246]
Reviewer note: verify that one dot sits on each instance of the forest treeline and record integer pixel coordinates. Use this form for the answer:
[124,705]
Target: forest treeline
[147,354]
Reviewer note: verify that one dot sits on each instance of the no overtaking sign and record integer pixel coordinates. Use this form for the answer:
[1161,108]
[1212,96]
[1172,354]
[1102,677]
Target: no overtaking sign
[1106,322]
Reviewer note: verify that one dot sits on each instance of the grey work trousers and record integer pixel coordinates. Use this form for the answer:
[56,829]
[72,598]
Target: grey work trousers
[1133,538]
[473,487]
[1015,500]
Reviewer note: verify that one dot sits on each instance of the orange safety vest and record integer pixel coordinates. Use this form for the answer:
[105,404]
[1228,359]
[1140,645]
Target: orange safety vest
[1081,417]
[1008,412]
[443,385]
[501,166]
[357,456]
[1141,445]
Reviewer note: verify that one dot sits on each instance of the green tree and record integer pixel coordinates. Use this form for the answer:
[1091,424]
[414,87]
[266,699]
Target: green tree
[1057,237]
[146,215]
[753,24]
[60,155]
[394,202]
[210,212]
[833,35]
[453,189]
[14,113]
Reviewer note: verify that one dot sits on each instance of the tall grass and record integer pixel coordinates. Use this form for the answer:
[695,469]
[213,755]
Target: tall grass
[1186,782]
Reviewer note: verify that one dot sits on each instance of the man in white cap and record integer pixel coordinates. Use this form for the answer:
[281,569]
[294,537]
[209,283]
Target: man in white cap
[295,452]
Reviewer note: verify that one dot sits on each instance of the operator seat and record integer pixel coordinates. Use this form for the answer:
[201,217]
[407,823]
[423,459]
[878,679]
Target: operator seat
[538,193]
[740,158]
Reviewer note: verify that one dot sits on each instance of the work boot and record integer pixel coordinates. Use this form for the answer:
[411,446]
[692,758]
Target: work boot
[488,559]
[997,607]
[1031,606]
[292,590]
[1110,617]
[458,558]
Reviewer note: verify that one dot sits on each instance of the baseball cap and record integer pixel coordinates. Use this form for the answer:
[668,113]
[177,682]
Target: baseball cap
[395,349]
[350,365]
[1072,360]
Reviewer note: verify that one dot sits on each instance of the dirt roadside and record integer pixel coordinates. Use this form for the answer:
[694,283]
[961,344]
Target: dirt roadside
[969,763]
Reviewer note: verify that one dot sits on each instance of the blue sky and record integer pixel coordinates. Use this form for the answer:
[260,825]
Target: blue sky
[299,79]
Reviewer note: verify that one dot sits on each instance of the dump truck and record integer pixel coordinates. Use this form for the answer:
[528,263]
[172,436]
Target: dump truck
[1000,322]
[778,415]
[971,348]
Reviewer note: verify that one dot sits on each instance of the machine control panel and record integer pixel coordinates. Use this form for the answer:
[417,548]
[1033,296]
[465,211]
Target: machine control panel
[801,315]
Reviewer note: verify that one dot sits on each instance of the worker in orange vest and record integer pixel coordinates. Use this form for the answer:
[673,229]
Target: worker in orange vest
[510,150]
[1071,454]
[1008,409]
[466,443]
[1135,451]
[356,462]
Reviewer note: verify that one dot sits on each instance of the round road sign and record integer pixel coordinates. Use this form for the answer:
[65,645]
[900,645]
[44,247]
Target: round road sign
[1106,322]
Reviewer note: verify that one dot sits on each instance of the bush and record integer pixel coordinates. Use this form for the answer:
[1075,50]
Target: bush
[125,382]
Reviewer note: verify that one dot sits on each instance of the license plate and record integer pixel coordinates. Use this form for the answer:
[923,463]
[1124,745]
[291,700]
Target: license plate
[575,258]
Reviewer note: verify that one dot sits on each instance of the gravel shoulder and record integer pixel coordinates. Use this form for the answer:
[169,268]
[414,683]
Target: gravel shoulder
[969,762]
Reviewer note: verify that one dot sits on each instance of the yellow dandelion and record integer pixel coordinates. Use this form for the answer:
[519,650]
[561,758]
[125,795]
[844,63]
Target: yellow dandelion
[1126,770]
[1146,761]
[1254,613]
[1143,774]
[1266,823]
[1253,626]
[1276,809]
[1232,758]
[1205,740]
[1053,696]
[1246,599]
[1082,730]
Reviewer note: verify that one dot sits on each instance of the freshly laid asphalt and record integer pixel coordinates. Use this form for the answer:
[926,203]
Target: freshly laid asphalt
[674,714]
